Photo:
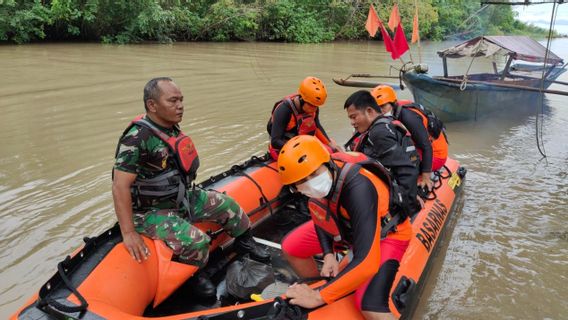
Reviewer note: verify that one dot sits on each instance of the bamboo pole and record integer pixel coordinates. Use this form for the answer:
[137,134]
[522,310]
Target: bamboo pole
[355,83]
[503,85]
[559,82]
[419,46]
[368,75]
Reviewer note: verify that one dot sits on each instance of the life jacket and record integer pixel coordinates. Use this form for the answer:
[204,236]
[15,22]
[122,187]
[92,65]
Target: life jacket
[435,126]
[180,172]
[358,141]
[325,213]
[303,122]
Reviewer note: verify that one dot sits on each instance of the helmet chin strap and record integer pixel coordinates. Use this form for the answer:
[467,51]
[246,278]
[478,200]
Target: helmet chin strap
[333,169]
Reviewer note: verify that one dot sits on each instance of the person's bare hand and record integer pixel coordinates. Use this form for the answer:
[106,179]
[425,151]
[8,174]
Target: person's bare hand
[330,266]
[135,245]
[304,296]
[421,201]
[426,181]
[333,145]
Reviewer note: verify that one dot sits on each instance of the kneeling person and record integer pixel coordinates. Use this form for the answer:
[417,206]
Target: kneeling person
[357,202]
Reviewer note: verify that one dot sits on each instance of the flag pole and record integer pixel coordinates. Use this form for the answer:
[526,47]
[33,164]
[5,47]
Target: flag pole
[419,46]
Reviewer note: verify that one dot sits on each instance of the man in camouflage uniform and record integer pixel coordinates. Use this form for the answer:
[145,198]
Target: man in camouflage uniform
[148,176]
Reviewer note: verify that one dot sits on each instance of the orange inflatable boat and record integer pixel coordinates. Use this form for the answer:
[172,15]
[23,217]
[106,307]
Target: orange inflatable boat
[102,281]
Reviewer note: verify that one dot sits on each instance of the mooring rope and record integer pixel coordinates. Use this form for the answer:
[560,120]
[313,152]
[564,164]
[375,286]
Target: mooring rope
[540,114]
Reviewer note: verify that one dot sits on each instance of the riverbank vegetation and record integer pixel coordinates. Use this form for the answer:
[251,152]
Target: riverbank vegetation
[132,21]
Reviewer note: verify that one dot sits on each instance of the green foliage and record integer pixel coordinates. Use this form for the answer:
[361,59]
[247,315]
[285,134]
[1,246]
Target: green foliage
[128,21]
[287,20]
[227,20]
[23,21]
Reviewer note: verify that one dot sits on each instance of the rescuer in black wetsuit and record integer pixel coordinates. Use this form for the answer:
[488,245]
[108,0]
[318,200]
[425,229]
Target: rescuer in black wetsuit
[386,100]
[385,139]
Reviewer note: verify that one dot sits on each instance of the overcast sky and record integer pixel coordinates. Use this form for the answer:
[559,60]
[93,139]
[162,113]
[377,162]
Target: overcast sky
[540,14]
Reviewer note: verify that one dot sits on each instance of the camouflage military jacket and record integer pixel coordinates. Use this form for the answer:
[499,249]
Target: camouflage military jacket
[141,152]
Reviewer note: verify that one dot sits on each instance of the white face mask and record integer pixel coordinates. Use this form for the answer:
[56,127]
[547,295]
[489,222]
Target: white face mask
[318,186]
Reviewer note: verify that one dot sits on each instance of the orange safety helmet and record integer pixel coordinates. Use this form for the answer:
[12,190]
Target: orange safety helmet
[300,157]
[313,91]
[383,94]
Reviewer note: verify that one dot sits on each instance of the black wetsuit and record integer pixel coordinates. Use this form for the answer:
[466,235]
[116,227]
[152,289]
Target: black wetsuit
[281,117]
[383,143]
[413,122]
[371,271]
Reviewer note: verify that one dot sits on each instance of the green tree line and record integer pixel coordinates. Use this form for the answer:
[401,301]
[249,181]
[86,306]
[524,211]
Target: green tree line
[131,21]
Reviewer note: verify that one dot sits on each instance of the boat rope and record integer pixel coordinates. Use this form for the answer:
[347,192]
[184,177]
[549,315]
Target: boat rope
[439,173]
[424,193]
[463,85]
[438,177]
[262,161]
[60,306]
[540,111]
[285,311]
[466,27]
[254,160]
[259,187]
[405,67]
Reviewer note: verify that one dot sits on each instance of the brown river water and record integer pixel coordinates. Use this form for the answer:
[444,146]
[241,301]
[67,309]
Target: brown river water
[63,107]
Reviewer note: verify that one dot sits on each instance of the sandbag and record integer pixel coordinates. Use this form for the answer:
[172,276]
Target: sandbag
[246,276]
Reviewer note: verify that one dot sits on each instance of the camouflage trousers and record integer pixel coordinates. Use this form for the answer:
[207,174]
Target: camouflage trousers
[175,227]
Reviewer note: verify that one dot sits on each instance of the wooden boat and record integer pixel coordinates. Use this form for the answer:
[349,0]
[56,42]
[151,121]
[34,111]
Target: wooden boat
[101,280]
[466,97]
[471,96]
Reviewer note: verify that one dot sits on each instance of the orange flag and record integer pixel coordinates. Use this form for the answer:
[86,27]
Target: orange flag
[415,31]
[394,17]
[372,21]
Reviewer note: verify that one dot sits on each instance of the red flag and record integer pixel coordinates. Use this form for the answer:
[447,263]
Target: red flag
[394,18]
[386,38]
[415,31]
[400,45]
[373,21]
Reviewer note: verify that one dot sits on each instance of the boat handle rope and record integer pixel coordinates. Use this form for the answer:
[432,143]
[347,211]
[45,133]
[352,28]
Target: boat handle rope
[437,184]
[441,176]
[62,307]
[258,186]
[261,161]
[426,194]
[236,168]
[238,171]
[285,311]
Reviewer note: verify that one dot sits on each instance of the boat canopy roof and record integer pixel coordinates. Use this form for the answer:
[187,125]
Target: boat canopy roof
[519,47]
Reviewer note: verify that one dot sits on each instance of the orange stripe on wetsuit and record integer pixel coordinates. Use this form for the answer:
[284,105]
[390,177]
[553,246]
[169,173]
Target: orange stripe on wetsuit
[360,269]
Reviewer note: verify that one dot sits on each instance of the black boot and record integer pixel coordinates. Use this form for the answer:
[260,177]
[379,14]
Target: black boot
[246,244]
[202,286]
